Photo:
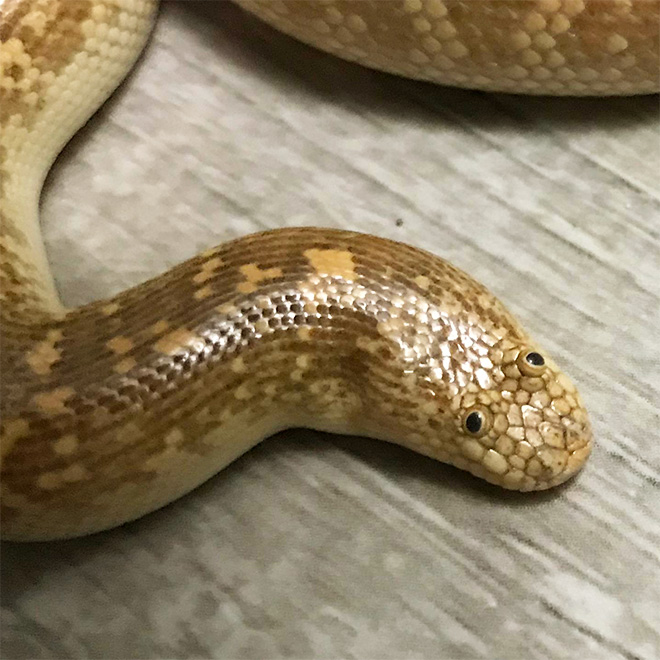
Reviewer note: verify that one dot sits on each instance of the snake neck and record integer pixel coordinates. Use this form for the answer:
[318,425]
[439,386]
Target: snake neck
[308,323]
[290,303]
[293,327]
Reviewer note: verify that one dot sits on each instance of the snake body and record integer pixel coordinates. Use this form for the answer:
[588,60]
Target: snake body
[116,408]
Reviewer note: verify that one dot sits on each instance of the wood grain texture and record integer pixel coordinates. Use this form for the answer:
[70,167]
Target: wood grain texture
[314,546]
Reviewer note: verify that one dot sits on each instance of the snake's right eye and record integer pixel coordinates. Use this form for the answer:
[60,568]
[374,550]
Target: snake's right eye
[531,363]
[477,421]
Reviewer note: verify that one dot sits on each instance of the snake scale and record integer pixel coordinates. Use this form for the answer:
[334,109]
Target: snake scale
[116,408]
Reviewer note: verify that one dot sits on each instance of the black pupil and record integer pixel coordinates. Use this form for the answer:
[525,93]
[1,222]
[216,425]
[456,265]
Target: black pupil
[535,359]
[473,422]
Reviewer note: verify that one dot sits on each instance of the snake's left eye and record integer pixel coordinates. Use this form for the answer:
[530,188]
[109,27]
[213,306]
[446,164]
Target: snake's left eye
[531,363]
[477,421]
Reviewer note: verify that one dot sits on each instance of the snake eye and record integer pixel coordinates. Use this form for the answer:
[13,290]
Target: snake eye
[477,421]
[531,363]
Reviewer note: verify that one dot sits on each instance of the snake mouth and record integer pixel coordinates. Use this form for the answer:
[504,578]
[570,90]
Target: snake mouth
[554,453]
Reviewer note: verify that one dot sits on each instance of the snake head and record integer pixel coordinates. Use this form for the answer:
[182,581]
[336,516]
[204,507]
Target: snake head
[527,429]
[470,388]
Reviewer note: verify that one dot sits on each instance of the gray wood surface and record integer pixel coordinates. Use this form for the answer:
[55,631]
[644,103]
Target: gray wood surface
[314,546]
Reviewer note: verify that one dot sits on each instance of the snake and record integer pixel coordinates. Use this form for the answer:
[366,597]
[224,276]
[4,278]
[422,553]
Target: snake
[115,408]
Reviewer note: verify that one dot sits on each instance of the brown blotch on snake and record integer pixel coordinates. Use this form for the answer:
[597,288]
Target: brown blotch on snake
[113,409]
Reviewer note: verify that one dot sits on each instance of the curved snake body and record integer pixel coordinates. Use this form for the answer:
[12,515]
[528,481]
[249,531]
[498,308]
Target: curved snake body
[116,408]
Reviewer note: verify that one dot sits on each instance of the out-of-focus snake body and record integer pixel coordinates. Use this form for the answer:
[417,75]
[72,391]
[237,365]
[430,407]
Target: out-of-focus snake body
[118,407]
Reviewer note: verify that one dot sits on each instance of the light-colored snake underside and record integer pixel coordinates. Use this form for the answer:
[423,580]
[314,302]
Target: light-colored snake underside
[118,407]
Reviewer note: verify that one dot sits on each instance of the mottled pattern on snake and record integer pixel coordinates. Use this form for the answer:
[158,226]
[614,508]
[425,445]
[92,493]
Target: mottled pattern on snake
[123,405]
[116,408]
[575,47]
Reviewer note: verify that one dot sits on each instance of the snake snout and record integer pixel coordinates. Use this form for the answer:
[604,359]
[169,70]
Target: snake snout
[566,447]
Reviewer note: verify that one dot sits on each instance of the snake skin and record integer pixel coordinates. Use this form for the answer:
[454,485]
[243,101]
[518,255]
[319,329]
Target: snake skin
[558,47]
[116,408]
